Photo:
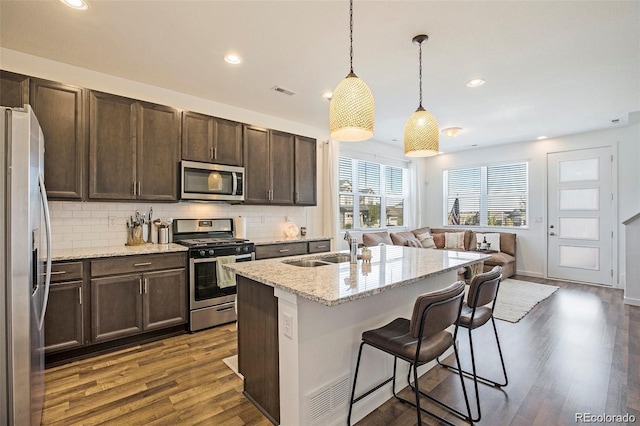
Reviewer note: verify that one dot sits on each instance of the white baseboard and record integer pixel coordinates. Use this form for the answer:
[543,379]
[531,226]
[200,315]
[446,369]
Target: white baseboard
[530,274]
[633,302]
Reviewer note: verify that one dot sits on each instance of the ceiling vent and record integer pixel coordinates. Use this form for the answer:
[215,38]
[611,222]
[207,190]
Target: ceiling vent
[283,90]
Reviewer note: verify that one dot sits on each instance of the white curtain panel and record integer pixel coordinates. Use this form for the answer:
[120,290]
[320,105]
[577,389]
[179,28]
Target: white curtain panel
[330,189]
[414,201]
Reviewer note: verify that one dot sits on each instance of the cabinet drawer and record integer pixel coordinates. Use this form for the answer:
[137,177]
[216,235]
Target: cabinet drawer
[133,264]
[319,246]
[280,250]
[66,271]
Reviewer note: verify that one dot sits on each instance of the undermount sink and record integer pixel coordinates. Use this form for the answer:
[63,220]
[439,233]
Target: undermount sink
[337,258]
[307,263]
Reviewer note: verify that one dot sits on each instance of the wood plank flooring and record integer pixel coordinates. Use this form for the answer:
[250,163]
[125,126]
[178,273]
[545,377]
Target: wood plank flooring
[578,351]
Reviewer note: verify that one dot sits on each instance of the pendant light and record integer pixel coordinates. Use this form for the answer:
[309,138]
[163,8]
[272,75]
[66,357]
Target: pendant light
[351,110]
[421,131]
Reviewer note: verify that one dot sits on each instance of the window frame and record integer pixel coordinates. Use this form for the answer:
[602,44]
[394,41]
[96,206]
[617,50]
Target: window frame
[484,196]
[357,194]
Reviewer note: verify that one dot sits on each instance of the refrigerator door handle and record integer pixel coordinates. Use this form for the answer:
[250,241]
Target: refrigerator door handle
[47,224]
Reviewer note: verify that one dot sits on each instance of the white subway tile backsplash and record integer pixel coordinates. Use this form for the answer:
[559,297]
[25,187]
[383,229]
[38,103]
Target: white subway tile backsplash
[78,224]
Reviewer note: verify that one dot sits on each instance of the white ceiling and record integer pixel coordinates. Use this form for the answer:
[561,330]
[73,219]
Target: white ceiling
[552,67]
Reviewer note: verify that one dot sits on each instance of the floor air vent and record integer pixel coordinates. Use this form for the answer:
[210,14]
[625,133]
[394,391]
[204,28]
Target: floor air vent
[323,401]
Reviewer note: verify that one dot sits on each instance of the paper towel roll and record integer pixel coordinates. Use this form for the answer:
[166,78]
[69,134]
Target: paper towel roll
[240,225]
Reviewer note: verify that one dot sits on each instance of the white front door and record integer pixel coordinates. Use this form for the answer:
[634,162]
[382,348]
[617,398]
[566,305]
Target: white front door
[580,212]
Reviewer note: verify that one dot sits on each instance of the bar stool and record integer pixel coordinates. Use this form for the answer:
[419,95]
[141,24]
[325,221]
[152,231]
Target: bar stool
[476,312]
[418,341]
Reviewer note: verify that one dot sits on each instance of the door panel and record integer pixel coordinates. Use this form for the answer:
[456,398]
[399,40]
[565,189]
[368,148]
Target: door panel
[580,204]
[281,154]
[165,299]
[116,307]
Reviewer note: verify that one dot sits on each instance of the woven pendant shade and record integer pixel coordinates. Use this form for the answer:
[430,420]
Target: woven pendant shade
[421,138]
[351,111]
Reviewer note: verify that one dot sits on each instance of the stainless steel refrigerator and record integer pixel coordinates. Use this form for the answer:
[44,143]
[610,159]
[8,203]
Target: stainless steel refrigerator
[25,267]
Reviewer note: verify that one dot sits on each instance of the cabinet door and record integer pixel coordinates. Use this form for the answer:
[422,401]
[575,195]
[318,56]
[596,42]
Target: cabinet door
[256,163]
[227,137]
[60,112]
[112,147]
[197,137]
[63,322]
[281,157]
[14,89]
[305,176]
[116,307]
[165,299]
[158,152]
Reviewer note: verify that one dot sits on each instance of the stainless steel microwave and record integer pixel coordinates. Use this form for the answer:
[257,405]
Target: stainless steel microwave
[215,182]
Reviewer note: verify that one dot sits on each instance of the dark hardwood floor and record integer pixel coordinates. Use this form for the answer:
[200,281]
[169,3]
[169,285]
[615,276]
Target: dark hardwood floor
[578,351]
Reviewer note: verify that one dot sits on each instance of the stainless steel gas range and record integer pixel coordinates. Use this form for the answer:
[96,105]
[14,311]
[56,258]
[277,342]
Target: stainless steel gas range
[212,292]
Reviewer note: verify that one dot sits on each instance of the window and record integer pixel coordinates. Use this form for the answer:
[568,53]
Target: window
[487,196]
[371,194]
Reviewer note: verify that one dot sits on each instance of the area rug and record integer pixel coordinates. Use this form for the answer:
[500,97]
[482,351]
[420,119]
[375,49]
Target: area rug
[516,298]
[232,363]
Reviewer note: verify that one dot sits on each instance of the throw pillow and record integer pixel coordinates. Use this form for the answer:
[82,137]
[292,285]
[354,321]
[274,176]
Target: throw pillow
[427,240]
[493,238]
[439,240]
[413,243]
[454,240]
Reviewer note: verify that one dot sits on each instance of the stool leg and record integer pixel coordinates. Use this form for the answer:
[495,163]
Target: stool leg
[475,375]
[355,378]
[504,370]
[417,389]
[464,388]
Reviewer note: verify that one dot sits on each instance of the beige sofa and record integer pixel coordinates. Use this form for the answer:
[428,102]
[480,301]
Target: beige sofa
[506,257]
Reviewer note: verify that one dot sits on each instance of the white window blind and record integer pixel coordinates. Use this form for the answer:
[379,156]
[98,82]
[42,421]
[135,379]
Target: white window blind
[487,196]
[372,195]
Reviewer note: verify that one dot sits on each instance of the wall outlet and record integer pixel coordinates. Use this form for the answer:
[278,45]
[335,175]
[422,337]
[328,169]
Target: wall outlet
[113,222]
[287,325]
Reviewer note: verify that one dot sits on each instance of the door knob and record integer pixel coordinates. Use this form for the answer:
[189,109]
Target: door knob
[552,233]
[551,226]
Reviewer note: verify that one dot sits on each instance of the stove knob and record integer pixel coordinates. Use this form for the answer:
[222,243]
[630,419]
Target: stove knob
[211,252]
[238,249]
[246,249]
[201,253]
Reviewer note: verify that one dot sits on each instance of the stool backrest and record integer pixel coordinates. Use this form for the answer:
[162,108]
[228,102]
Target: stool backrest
[443,309]
[484,287]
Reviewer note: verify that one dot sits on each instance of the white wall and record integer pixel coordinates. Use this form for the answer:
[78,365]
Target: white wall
[86,224]
[531,243]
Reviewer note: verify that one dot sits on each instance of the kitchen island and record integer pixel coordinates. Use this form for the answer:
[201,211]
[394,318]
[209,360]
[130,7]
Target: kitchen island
[300,325]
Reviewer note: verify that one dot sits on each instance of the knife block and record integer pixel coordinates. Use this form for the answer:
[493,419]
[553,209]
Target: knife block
[134,236]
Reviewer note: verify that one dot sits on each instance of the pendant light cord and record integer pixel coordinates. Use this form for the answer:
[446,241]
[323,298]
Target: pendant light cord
[351,35]
[420,68]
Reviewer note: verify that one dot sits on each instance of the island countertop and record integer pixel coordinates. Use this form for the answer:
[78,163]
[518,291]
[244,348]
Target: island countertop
[334,284]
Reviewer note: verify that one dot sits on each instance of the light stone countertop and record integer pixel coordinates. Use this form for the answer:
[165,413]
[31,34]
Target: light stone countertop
[334,284]
[94,252]
[281,240]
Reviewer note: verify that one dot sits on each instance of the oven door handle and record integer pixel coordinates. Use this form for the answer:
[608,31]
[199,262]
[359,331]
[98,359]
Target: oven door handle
[214,259]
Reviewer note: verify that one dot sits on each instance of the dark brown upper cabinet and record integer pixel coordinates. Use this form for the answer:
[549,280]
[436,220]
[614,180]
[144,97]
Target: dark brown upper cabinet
[305,171]
[60,109]
[269,173]
[14,89]
[211,140]
[134,149]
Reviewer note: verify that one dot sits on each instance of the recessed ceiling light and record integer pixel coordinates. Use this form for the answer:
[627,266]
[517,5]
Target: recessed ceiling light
[451,131]
[476,82]
[541,138]
[327,95]
[76,4]
[232,59]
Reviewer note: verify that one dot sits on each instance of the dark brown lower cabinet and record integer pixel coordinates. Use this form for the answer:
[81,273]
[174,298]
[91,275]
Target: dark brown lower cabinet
[64,320]
[116,307]
[165,299]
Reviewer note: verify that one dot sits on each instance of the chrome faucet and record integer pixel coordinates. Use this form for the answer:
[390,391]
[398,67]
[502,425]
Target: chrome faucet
[353,247]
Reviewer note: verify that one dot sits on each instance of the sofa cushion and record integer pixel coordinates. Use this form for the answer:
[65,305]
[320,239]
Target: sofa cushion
[424,230]
[375,238]
[426,240]
[401,238]
[439,240]
[413,243]
[508,243]
[493,239]
[499,259]
[454,240]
